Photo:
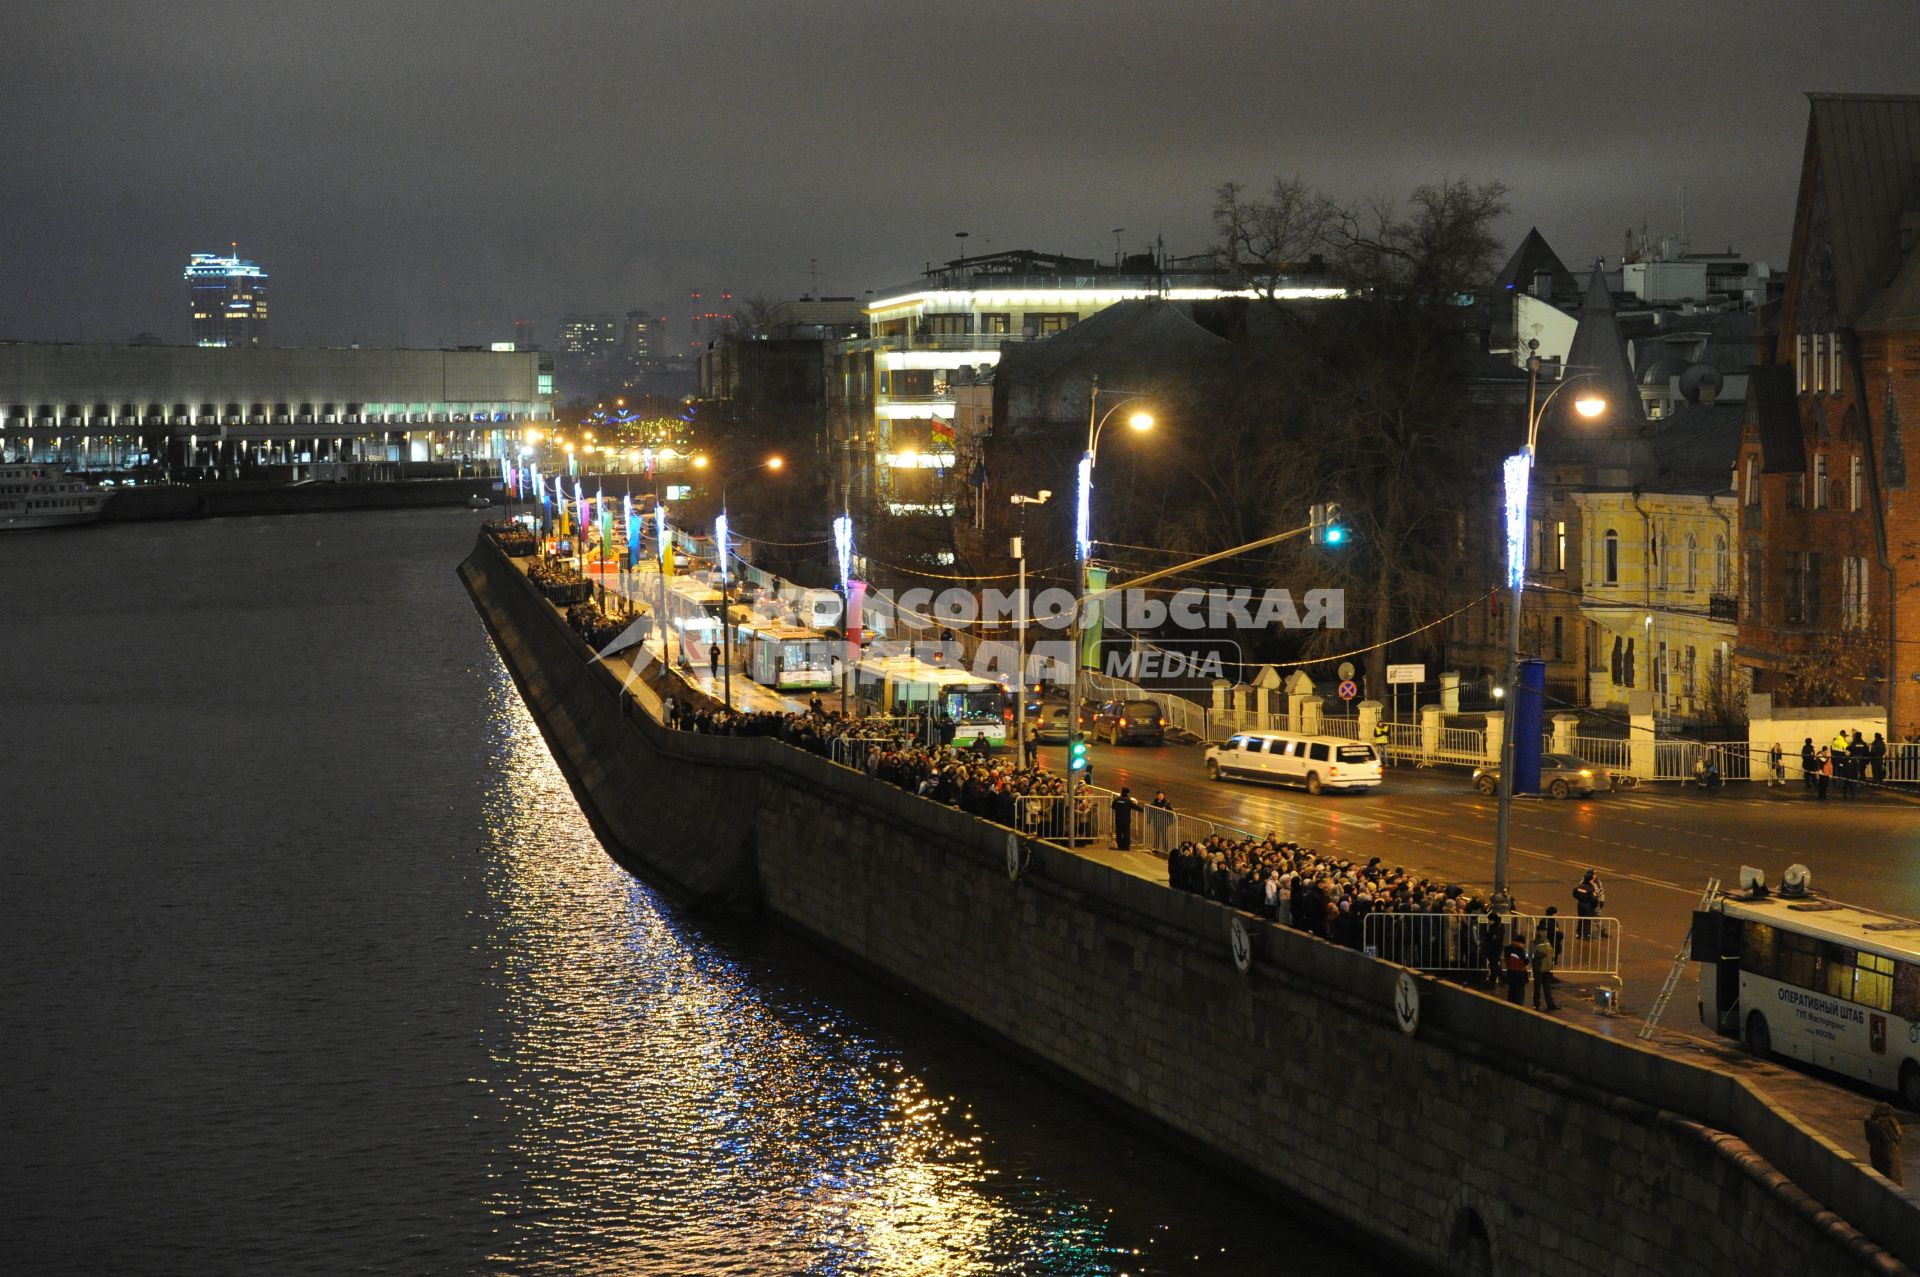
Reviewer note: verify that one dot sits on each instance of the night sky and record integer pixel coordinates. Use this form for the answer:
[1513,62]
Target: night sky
[430,172]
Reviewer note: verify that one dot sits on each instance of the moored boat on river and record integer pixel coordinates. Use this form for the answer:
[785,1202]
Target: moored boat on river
[37,495]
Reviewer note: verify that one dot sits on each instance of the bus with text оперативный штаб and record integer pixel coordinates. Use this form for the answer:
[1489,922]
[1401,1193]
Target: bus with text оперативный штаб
[1835,986]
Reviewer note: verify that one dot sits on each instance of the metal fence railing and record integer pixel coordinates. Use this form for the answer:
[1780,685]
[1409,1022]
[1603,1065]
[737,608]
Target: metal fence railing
[1462,745]
[1604,751]
[1404,741]
[1459,943]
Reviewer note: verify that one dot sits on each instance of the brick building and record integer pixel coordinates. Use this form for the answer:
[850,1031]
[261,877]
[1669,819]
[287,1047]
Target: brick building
[1830,517]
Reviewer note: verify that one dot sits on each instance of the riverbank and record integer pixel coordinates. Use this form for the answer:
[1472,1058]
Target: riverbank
[1404,1108]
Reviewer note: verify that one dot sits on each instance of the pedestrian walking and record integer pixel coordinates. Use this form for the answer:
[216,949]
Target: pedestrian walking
[1776,767]
[1877,759]
[1160,821]
[1541,957]
[667,711]
[1516,965]
[1124,805]
[1809,765]
[1823,775]
[1883,1142]
[713,660]
[1589,897]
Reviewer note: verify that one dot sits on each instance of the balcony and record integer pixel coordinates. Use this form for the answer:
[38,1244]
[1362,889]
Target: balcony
[1723,607]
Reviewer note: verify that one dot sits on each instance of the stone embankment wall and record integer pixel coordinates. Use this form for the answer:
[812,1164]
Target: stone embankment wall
[1491,1140]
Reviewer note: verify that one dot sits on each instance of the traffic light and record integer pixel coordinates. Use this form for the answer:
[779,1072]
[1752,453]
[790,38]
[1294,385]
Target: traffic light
[1323,524]
[1077,760]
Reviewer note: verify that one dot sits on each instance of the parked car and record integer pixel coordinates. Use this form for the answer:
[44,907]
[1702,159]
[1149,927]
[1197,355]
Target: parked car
[1314,762]
[1561,775]
[1047,721]
[1130,721]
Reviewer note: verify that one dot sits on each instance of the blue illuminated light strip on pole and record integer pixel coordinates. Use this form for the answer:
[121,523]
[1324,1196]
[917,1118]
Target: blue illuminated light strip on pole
[1083,512]
[843,548]
[1517,470]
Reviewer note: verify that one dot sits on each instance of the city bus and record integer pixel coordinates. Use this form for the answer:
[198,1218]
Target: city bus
[788,657]
[981,709]
[1799,976]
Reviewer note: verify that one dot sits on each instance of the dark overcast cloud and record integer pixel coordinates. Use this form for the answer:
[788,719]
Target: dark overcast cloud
[443,168]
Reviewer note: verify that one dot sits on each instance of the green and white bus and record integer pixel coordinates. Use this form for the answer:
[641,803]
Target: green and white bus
[789,658]
[1835,986]
[981,709]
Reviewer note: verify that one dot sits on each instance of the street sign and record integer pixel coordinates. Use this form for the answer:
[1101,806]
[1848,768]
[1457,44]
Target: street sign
[1346,669]
[1406,674]
[1348,689]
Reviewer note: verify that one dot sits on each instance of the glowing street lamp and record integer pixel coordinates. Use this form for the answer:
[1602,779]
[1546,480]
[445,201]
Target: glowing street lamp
[1516,476]
[1141,421]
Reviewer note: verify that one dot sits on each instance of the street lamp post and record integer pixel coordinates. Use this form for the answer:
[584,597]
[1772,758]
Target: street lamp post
[1518,478]
[1082,549]
[726,577]
[1020,629]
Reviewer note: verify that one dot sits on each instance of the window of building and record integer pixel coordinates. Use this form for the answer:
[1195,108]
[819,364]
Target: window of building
[1833,362]
[1627,663]
[1796,491]
[1044,323]
[1559,640]
[1819,368]
[1853,593]
[1722,574]
[1560,546]
[1753,481]
[1595,641]
[1687,672]
[1610,551]
[1853,484]
[1819,480]
[1803,588]
[1802,357]
[1691,566]
[947,325]
[997,321]
[1619,658]
[1660,671]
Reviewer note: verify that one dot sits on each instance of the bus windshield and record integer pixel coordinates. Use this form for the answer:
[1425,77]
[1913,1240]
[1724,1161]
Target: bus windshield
[980,704]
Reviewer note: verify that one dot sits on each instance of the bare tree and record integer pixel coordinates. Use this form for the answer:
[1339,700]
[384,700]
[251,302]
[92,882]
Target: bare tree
[1264,240]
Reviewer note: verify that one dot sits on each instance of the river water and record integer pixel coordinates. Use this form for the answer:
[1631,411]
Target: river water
[312,965]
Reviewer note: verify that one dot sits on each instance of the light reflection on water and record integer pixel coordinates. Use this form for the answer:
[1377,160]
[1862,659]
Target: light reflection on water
[754,1133]
[309,963]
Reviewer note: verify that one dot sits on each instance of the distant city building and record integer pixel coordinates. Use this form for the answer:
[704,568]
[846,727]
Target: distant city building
[524,335]
[228,297]
[584,347]
[640,332]
[97,406]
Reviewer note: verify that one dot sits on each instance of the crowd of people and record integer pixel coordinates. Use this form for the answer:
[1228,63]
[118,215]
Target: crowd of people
[1030,798]
[1277,879]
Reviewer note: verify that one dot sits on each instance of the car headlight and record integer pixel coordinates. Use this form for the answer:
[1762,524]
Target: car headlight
[1585,772]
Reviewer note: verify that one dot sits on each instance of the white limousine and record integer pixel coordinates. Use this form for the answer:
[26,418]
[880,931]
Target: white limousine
[1282,758]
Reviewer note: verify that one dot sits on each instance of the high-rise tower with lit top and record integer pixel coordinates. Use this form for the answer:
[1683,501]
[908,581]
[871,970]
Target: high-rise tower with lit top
[228,295]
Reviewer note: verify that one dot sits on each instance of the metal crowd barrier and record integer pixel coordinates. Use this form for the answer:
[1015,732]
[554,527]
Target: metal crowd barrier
[1459,943]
